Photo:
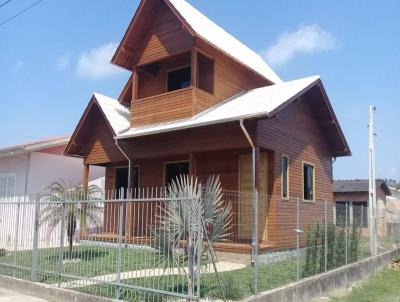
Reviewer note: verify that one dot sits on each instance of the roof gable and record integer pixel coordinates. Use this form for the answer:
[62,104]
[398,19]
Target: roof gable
[198,26]
[116,116]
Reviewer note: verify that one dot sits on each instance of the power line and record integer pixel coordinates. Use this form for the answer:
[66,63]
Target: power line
[4,3]
[20,13]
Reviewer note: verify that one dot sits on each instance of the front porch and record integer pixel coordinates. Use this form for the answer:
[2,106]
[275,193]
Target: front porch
[150,177]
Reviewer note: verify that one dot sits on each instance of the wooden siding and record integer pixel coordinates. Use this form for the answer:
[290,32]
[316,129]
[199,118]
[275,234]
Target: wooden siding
[154,81]
[163,37]
[97,138]
[203,100]
[295,132]
[211,138]
[230,77]
[165,107]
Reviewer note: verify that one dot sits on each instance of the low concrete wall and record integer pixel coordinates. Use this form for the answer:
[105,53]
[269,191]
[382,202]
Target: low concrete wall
[322,284]
[47,292]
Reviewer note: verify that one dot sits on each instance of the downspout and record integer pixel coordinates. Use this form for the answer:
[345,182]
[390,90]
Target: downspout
[255,194]
[129,164]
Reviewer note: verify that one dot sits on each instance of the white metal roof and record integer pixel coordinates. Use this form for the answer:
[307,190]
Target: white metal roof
[117,115]
[224,41]
[34,146]
[264,101]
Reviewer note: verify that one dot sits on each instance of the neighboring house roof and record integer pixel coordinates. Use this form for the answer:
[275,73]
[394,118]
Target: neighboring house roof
[34,146]
[213,34]
[358,185]
[395,192]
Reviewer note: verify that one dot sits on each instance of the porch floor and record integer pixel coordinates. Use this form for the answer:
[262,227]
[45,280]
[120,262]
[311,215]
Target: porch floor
[232,247]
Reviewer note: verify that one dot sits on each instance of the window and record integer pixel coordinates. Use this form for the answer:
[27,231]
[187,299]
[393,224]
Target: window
[121,180]
[178,78]
[341,213]
[285,177]
[7,185]
[308,182]
[173,170]
[360,214]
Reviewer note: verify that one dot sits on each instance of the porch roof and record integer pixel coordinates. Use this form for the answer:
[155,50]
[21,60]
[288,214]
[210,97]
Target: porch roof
[265,101]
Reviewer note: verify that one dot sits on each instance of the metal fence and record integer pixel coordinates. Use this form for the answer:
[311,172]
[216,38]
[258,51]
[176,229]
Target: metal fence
[121,244]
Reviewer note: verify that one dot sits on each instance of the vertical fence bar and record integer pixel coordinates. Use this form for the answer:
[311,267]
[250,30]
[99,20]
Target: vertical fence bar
[298,231]
[16,234]
[61,250]
[35,239]
[119,259]
[346,243]
[361,228]
[326,235]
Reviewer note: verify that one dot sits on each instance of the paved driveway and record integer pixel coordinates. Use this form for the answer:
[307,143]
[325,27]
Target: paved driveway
[10,296]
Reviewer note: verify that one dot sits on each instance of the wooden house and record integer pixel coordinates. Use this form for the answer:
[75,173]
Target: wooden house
[200,102]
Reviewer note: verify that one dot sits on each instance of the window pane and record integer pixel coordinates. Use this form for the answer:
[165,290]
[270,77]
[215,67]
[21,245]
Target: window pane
[285,177]
[308,174]
[173,170]
[179,79]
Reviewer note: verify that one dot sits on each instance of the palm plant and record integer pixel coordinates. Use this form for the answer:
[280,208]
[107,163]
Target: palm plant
[64,203]
[190,222]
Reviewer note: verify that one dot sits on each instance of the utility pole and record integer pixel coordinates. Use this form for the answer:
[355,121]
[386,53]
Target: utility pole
[372,183]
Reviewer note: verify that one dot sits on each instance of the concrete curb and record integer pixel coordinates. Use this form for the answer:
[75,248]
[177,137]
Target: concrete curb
[322,284]
[47,292]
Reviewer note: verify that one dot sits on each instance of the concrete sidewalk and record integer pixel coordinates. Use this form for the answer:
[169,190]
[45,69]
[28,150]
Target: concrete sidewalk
[11,296]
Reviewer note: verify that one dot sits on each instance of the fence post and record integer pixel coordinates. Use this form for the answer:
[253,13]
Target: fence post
[35,238]
[16,234]
[361,228]
[119,259]
[199,251]
[61,251]
[298,231]
[346,244]
[326,235]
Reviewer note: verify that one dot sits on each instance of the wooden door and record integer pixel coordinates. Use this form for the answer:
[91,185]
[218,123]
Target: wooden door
[245,215]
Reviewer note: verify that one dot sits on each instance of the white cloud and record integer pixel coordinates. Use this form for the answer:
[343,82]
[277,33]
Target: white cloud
[305,40]
[63,61]
[95,63]
[19,65]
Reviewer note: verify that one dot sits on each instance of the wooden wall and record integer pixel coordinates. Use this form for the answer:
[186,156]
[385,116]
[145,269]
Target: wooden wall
[295,132]
[164,36]
[97,141]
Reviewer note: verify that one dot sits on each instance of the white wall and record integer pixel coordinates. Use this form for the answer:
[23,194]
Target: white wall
[17,165]
[47,168]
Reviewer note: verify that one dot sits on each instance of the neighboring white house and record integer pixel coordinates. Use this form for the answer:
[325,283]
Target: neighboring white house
[26,170]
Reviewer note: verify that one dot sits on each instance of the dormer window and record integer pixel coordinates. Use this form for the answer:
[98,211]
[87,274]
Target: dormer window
[178,78]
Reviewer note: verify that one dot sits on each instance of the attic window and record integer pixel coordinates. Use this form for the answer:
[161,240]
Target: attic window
[178,78]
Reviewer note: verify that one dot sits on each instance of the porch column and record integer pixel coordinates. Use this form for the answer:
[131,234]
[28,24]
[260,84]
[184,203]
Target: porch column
[131,194]
[194,68]
[85,186]
[135,85]
[192,165]
[85,181]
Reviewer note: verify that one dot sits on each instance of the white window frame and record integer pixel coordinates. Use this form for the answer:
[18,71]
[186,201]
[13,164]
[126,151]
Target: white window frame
[8,192]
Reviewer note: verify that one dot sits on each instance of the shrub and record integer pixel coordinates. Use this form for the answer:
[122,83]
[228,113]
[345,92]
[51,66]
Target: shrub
[235,288]
[3,252]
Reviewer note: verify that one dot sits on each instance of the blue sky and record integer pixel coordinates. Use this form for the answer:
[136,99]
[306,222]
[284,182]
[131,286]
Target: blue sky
[53,58]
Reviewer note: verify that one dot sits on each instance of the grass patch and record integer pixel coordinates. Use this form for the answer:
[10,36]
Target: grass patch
[238,284]
[383,287]
[88,261]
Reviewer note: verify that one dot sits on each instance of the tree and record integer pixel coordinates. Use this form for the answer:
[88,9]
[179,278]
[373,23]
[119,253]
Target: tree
[195,216]
[65,200]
